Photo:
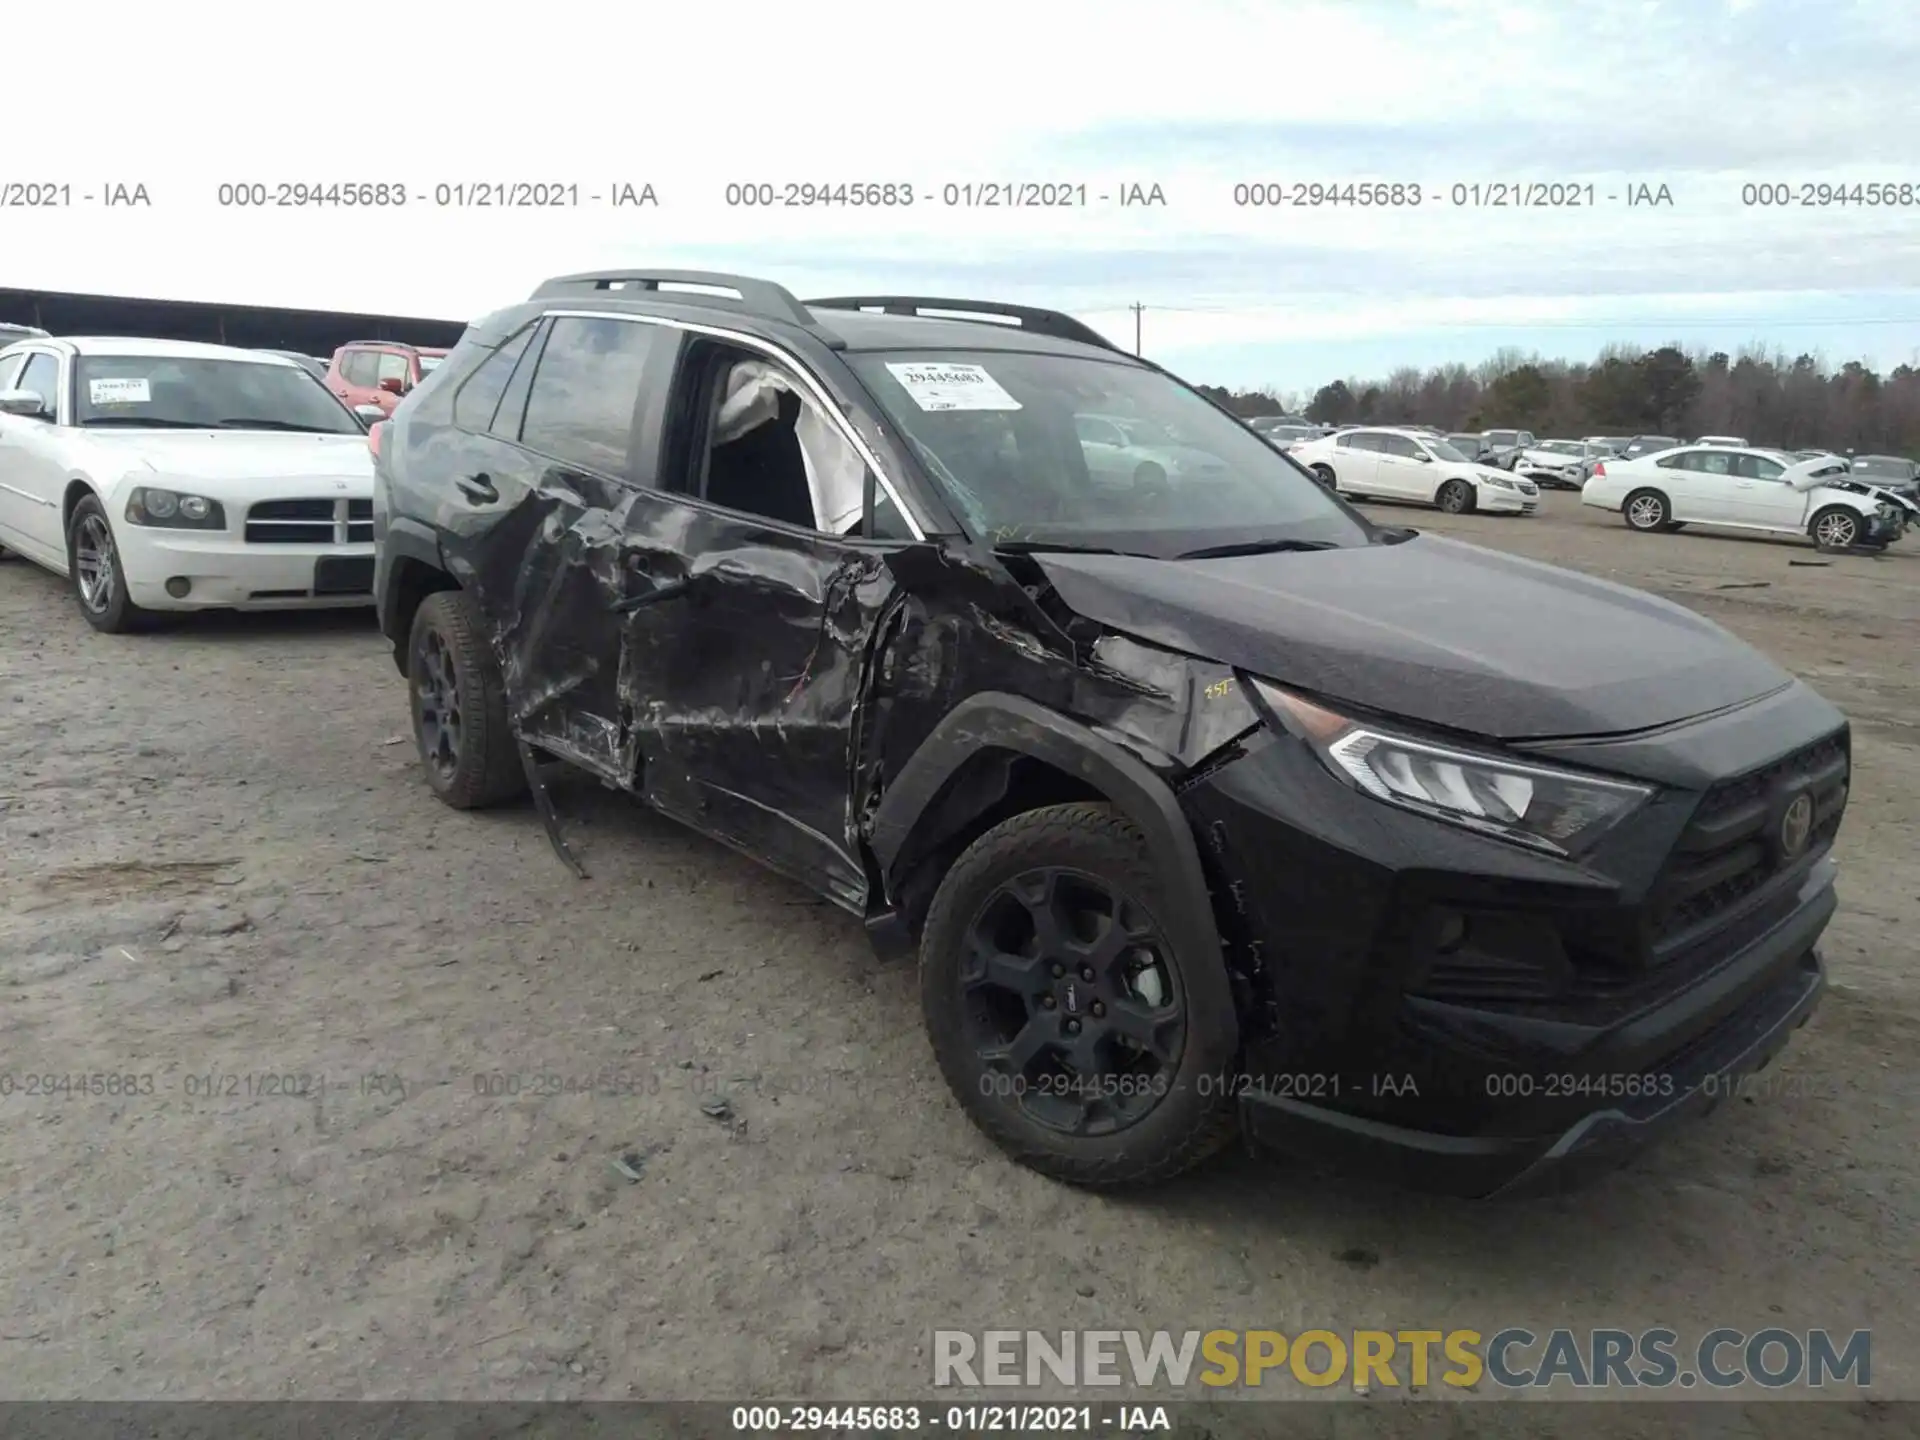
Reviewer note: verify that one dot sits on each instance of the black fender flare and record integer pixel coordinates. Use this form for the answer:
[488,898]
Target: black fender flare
[408,539]
[992,719]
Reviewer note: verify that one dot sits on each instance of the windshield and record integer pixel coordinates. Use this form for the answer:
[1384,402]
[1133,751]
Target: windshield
[1890,466]
[1052,449]
[167,392]
[1446,450]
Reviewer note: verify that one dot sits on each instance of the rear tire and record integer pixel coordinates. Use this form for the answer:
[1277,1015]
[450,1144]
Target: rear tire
[460,727]
[1324,474]
[1646,511]
[1044,950]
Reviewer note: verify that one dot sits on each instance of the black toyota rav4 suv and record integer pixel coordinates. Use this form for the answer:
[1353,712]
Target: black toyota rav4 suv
[1206,800]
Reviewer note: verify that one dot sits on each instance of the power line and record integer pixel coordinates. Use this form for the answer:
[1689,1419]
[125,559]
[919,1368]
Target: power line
[1668,321]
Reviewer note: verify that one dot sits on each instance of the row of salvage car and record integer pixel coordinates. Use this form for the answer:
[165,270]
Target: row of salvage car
[1655,483]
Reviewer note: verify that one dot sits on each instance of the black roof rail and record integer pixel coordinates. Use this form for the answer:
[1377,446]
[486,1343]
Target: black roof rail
[1041,322]
[762,297]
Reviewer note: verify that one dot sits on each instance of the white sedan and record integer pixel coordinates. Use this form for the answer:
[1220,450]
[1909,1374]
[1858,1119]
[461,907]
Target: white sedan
[162,475]
[1748,489]
[1392,463]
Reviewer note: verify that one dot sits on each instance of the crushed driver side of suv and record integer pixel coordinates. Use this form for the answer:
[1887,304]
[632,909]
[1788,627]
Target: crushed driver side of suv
[1207,802]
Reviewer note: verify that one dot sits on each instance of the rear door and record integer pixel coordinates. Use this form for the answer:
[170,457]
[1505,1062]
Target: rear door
[1702,488]
[555,437]
[1355,461]
[358,369]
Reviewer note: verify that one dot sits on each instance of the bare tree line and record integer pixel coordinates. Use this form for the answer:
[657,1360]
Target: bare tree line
[1770,398]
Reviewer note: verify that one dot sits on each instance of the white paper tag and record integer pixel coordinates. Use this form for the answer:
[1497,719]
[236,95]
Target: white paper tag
[952,387]
[123,391]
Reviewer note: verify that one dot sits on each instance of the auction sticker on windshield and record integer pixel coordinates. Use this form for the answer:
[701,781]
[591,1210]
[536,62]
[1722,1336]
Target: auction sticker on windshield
[952,387]
[130,390]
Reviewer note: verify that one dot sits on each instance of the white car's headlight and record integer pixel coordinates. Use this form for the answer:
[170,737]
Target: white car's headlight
[1541,807]
[1498,482]
[173,510]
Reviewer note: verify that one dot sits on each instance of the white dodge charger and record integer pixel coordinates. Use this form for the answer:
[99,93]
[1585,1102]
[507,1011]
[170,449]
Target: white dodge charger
[162,475]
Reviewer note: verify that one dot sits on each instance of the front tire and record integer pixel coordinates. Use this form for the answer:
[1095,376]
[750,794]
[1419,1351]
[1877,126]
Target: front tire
[1456,497]
[96,572]
[1646,511]
[460,724]
[1065,1023]
[1835,528]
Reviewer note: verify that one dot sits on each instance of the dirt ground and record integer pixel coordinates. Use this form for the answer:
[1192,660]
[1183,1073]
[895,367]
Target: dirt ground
[223,879]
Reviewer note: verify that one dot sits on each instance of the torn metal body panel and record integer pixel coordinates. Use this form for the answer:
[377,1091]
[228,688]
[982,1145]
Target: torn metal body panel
[1189,747]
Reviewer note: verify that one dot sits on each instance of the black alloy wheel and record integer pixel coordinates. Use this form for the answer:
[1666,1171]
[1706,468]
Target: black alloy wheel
[460,726]
[1070,999]
[1072,1024]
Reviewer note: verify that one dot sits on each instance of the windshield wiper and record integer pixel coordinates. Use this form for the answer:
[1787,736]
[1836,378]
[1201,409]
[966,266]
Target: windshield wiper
[1042,547]
[248,422]
[144,422]
[1254,547]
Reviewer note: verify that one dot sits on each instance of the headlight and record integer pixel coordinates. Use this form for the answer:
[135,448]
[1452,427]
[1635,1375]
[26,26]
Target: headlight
[172,510]
[1541,807]
[1497,482]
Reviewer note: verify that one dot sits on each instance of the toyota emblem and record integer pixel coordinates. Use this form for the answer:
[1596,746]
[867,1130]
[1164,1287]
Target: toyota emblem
[1796,826]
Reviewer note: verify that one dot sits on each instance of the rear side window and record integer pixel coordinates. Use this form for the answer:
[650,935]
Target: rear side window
[394,366]
[581,406]
[479,398]
[360,367]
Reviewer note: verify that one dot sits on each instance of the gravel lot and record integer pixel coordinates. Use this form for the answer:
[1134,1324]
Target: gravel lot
[220,867]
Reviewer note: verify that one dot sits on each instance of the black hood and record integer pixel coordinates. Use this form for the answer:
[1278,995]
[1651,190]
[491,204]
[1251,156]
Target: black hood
[1451,634]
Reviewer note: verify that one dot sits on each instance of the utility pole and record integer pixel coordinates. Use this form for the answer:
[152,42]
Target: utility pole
[1138,310]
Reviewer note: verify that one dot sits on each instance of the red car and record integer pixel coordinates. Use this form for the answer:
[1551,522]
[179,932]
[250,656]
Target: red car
[379,372]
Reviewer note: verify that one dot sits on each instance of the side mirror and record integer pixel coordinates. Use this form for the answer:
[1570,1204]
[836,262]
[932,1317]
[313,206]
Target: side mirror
[369,414]
[1424,458]
[394,385]
[26,403]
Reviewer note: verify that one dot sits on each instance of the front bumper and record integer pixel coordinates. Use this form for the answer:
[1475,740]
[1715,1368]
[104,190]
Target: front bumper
[1505,502]
[223,571]
[1588,1009]
[1706,1070]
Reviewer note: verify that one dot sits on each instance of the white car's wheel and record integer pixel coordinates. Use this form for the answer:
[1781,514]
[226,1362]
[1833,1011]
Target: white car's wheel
[1456,497]
[1835,528]
[1646,510]
[94,568]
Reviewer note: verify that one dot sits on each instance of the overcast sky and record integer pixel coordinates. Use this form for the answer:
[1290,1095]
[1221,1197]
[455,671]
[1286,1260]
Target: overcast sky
[1703,97]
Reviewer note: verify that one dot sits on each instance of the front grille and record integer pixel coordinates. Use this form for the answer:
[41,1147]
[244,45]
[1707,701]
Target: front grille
[1725,885]
[310,522]
[1729,850]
